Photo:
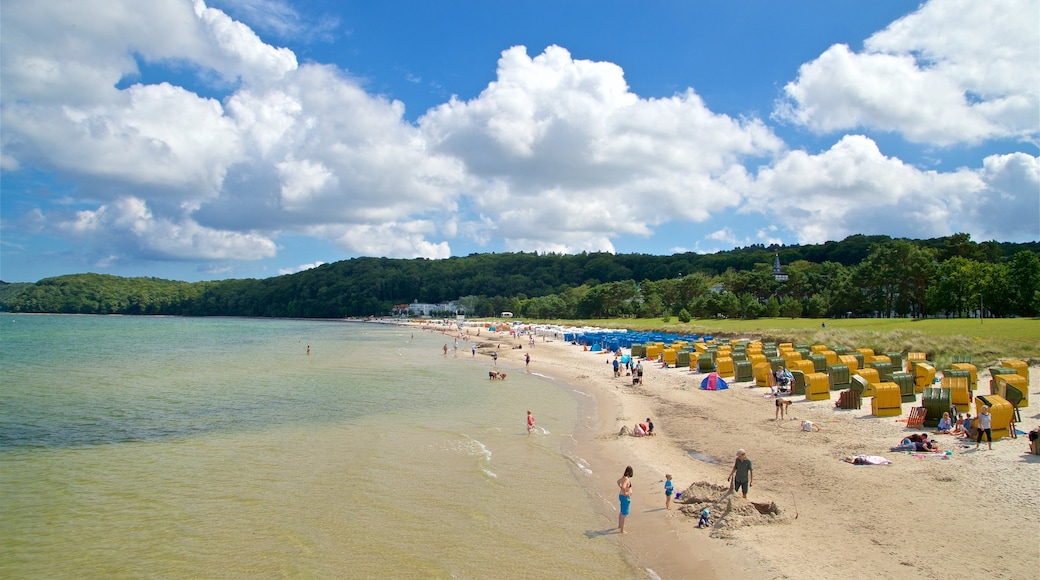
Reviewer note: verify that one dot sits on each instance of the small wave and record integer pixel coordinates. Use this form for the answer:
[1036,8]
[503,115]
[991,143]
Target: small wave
[579,463]
[472,446]
[582,393]
[544,376]
[489,473]
[650,572]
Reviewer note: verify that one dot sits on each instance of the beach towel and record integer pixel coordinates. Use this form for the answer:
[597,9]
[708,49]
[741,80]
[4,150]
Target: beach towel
[866,460]
[933,455]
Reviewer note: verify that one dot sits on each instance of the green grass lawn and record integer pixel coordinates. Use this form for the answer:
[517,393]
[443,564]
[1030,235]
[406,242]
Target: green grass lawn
[986,341]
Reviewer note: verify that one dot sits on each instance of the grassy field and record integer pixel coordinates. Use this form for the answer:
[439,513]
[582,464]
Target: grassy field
[986,341]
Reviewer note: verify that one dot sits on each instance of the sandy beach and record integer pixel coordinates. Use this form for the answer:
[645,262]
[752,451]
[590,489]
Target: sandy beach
[975,514]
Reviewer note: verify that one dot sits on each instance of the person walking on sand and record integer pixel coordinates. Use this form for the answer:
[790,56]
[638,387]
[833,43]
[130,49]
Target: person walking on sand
[530,422]
[745,475]
[985,426]
[527,360]
[669,488]
[494,358]
[624,497]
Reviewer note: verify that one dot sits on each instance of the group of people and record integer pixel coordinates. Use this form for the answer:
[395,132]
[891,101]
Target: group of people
[918,442]
[636,370]
[644,429]
[741,477]
[947,426]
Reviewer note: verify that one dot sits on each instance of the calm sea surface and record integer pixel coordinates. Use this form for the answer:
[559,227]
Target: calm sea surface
[178,447]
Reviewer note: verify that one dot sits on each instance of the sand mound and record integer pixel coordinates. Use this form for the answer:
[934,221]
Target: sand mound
[728,511]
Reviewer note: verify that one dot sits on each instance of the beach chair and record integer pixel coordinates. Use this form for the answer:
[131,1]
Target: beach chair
[798,384]
[916,418]
[1013,396]
[849,399]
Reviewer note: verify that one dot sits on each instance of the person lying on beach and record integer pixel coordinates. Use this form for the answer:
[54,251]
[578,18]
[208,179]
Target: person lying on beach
[866,460]
[907,444]
[809,426]
[923,444]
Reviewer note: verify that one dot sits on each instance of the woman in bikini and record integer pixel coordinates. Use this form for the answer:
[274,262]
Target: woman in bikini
[624,497]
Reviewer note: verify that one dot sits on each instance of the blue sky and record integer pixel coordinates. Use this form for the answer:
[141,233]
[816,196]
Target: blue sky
[253,138]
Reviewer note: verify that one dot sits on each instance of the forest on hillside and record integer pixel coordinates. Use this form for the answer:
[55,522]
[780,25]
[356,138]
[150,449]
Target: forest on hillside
[858,276]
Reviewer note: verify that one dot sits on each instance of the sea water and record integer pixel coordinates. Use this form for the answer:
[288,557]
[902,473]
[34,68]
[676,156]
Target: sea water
[217,447]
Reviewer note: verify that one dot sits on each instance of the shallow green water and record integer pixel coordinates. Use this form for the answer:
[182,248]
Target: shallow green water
[172,447]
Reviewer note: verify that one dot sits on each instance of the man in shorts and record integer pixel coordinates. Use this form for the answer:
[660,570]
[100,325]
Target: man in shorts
[744,474]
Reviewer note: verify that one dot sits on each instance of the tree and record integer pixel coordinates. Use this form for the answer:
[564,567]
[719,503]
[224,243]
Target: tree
[1024,282]
[956,286]
[791,307]
[772,308]
[896,275]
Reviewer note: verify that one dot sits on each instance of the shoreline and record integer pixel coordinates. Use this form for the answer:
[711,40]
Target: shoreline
[913,518]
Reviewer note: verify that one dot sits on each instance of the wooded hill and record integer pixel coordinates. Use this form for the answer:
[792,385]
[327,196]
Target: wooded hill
[860,275]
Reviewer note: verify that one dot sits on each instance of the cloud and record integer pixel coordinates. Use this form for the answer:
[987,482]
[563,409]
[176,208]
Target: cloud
[300,268]
[127,226]
[405,239]
[854,188]
[954,71]
[289,149]
[564,157]
[158,136]
[556,154]
[279,18]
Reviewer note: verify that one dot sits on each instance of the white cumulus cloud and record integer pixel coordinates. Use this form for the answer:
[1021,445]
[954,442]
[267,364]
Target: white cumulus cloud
[565,157]
[954,71]
[854,188]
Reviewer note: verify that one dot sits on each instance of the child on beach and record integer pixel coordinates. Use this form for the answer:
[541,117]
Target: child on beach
[703,522]
[530,422]
[669,488]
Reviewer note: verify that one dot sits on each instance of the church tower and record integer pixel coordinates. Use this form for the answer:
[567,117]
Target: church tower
[778,274]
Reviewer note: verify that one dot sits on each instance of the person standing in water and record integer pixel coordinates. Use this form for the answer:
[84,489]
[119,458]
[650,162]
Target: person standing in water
[530,422]
[624,497]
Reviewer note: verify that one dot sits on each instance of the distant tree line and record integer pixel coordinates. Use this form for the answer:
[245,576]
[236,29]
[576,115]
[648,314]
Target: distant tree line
[859,276]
